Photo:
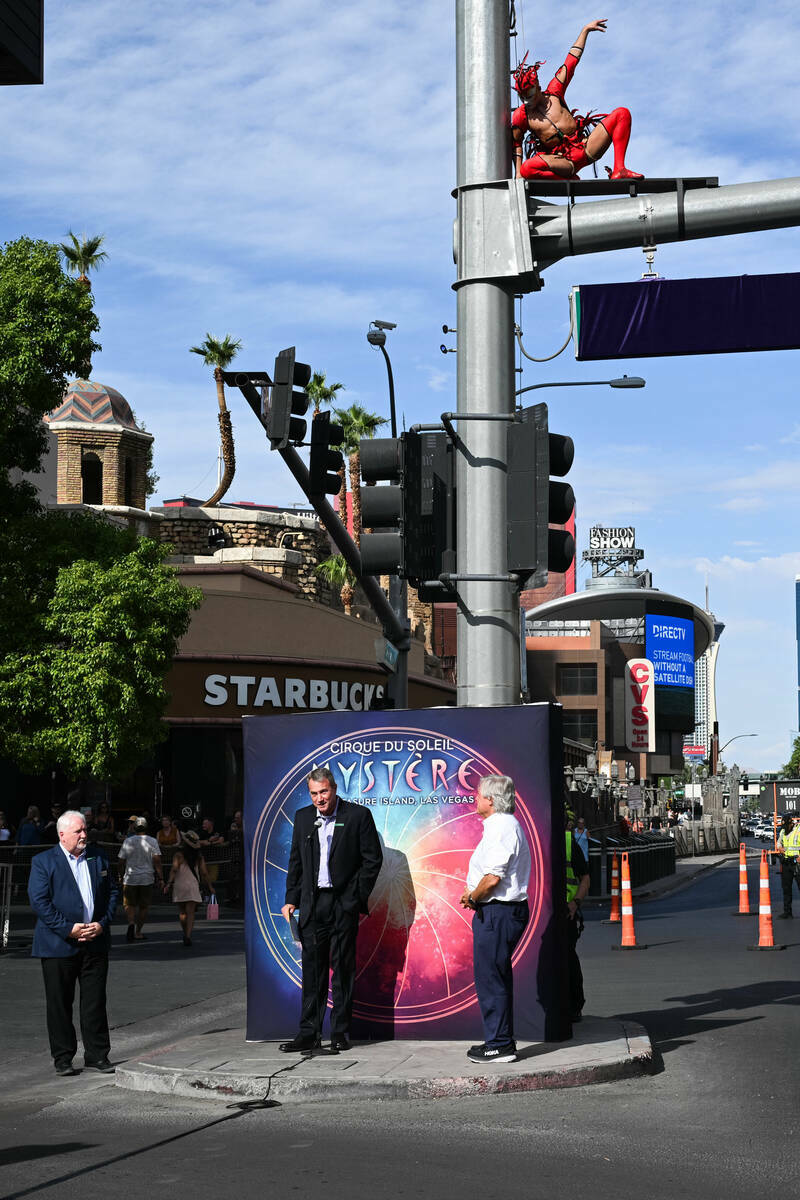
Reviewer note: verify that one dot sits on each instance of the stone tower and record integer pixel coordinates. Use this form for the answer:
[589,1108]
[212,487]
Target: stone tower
[102,454]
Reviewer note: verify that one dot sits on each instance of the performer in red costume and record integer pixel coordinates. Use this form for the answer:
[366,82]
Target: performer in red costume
[564,141]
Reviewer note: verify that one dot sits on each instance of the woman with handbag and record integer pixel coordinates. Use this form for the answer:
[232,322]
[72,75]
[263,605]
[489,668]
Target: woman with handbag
[188,872]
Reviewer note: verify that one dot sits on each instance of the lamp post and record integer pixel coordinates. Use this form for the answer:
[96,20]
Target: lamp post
[624,381]
[735,739]
[397,684]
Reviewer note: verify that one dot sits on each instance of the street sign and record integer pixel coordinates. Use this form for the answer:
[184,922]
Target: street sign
[694,751]
[386,654]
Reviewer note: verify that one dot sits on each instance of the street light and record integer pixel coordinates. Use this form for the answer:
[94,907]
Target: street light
[627,381]
[734,739]
[376,336]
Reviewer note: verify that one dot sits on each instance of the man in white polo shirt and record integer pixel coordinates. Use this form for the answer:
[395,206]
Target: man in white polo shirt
[497,891]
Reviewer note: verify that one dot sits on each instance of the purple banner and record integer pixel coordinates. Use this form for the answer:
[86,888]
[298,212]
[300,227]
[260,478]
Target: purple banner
[417,771]
[657,318]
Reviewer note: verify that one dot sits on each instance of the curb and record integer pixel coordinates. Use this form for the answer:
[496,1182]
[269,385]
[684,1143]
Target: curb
[283,1087]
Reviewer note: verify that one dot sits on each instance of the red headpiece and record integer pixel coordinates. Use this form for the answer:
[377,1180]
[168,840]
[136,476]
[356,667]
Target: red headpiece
[526,76]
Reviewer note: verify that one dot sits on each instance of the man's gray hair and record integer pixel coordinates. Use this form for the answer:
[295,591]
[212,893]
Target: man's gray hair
[500,790]
[66,817]
[321,775]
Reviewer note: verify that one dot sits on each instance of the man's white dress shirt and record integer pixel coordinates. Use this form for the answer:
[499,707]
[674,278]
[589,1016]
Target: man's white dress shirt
[503,851]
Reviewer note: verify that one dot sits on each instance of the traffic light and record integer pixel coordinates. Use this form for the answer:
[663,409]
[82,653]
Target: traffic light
[535,501]
[284,421]
[415,513]
[382,461]
[324,464]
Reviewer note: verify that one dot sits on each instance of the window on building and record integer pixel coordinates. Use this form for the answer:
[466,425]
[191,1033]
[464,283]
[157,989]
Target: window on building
[128,483]
[91,478]
[577,679]
[580,724]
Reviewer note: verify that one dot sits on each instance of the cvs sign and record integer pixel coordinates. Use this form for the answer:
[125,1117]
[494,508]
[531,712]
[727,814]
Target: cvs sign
[640,716]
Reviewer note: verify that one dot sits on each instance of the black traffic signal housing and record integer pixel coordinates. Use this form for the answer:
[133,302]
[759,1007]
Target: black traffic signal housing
[414,514]
[324,463]
[535,501]
[288,406]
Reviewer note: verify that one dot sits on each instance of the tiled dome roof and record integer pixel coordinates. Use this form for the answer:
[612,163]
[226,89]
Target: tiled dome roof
[94,404]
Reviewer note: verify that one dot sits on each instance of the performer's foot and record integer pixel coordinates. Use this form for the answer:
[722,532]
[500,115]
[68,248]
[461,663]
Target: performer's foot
[339,1042]
[623,173]
[300,1044]
[493,1054]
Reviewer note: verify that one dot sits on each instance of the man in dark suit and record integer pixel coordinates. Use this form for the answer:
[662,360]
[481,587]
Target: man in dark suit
[333,865]
[74,896]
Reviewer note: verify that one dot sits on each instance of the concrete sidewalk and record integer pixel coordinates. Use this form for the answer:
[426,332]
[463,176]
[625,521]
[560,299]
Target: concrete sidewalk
[224,1066]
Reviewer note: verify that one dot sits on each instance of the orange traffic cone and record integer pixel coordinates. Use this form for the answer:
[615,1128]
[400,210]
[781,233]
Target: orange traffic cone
[765,938]
[744,898]
[628,931]
[615,914]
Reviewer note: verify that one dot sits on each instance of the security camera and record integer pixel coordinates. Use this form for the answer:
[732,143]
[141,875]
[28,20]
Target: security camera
[447,329]
[385,324]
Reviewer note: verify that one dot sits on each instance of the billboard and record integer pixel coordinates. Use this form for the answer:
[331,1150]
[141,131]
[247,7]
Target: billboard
[669,644]
[640,717]
[417,771]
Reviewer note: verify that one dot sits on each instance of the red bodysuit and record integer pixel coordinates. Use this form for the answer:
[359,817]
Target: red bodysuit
[571,146]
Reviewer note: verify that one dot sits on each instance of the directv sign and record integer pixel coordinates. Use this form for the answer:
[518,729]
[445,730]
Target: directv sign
[669,644]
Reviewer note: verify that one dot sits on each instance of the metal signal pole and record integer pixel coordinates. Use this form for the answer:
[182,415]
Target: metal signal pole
[488,624]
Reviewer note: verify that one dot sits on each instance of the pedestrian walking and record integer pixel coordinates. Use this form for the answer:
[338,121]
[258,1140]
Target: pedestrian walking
[187,873]
[141,855]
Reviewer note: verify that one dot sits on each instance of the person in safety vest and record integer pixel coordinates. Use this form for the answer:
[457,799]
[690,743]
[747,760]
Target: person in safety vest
[577,888]
[789,850]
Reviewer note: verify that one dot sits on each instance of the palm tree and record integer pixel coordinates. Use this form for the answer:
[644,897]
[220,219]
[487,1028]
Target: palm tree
[339,575]
[319,391]
[82,257]
[357,424]
[219,355]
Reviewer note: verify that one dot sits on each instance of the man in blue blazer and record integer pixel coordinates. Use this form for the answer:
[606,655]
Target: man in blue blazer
[74,896]
[334,862]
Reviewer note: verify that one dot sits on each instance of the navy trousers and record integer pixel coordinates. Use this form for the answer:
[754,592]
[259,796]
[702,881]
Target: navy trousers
[496,931]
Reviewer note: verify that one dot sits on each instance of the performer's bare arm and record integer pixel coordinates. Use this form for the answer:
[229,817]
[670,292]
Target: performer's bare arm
[577,47]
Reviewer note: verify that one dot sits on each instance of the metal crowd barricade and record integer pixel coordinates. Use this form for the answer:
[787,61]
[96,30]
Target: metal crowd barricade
[6,872]
[650,856]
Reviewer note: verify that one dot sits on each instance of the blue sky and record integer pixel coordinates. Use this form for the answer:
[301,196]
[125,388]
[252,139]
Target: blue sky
[283,174]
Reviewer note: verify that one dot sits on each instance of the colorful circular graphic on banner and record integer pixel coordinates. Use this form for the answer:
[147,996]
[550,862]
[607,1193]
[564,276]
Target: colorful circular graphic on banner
[415,947]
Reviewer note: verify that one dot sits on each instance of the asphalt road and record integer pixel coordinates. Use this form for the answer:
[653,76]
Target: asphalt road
[718,1118]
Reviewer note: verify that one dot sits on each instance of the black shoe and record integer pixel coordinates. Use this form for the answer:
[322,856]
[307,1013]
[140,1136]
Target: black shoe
[300,1043]
[576,1016]
[66,1068]
[493,1054]
[339,1042]
[130,934]
[786,916]
[104,1065]
[477,1049]
[187,941]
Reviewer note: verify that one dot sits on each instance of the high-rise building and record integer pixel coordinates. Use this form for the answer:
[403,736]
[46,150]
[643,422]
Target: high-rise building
[797,620]
[705,696]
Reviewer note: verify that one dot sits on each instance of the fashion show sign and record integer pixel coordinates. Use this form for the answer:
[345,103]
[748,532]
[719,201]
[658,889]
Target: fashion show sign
[417,772]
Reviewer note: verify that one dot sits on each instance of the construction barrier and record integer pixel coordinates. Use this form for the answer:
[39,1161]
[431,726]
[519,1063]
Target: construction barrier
[628,931]
[766,940]
[744,896]
[616,911]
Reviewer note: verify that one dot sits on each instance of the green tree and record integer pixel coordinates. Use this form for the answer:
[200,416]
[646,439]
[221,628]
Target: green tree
[320,391]
[339,575]
[89,617]
[86,690]
[219,355]
[46,327]
[357,424]
[84,256]
[792,768]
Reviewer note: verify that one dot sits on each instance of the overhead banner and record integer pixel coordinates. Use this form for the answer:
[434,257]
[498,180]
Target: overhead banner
[657,318]
[417,772]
